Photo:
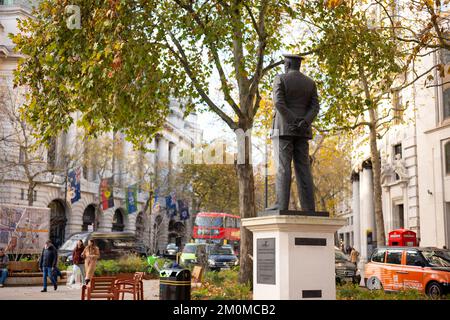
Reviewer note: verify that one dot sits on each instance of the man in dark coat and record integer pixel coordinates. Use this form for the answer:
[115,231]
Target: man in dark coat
[47,263]
[296,106]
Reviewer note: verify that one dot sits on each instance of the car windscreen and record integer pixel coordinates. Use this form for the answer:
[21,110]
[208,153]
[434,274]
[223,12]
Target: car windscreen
[71,243]
[340,256]
[209,222]
[437,258]
[221,251]
[189,249]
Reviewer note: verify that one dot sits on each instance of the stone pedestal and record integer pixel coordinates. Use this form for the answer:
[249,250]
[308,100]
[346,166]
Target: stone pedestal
[293,256]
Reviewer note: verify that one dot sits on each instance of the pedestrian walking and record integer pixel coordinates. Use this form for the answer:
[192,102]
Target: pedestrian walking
[47,263]
[78,262]
[354,256]
[3,267]
[90,254]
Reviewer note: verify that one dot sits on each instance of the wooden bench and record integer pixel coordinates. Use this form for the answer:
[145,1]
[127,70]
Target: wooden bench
[100,288]
[26,273]
[24,268]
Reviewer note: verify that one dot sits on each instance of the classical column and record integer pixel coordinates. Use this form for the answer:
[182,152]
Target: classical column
[356,211]
[367,212]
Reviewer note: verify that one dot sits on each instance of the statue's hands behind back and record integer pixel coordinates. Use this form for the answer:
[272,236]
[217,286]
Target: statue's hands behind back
[300,126]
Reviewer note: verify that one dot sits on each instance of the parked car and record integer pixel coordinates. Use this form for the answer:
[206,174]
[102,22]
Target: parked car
[112,245]
[345,271]
[221,257]
[171,251]
[426,269]
[191,252]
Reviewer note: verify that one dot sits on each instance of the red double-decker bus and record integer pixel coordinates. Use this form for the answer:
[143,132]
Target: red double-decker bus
[215,227]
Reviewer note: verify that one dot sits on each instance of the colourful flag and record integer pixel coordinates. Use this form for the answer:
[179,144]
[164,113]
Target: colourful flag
[171,205]
[107,193]
[132,198]
[184,209]
[74,185]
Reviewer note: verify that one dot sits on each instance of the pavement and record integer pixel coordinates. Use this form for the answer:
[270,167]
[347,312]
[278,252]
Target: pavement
[64,292]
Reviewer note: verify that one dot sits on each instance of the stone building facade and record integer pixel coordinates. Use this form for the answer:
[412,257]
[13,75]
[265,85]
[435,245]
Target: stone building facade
[415,157]
[179,133]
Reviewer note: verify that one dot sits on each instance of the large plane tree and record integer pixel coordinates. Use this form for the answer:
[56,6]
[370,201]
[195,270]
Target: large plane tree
[118,70]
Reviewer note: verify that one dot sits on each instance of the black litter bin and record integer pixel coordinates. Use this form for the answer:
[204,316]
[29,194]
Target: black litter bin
[175,284]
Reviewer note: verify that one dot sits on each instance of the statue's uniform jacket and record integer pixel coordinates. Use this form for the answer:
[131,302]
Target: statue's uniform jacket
[295,98]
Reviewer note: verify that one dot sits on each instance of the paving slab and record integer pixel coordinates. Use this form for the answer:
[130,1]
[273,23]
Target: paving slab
[65,292]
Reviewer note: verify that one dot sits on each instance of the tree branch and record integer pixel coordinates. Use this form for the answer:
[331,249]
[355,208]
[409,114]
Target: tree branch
[181,56]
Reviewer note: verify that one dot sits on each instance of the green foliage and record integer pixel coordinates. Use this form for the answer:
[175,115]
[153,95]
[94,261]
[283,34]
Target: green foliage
[354,292]
[62,266]
[367,52]
[119,69]
[105,267]
[222,285]
[215,187]
[129,264]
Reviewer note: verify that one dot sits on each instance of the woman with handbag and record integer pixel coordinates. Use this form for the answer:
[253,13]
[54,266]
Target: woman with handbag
[78,262]
[90,254]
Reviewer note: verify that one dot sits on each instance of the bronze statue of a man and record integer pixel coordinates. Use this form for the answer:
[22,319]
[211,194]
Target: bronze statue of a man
[296,106]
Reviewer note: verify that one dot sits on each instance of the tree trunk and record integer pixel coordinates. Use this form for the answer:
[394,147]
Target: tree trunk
[376,174]
[30,192]
[247,210]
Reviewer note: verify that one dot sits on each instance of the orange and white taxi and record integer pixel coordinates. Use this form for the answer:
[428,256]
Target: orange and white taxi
[396,268]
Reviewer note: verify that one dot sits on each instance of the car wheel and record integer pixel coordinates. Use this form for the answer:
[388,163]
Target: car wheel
[373,283]
[434,290]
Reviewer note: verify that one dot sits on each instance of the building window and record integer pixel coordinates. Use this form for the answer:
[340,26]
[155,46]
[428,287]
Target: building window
[399,217]
[398,151]
[446,103]
[447,158]
[445,56]
[23,196]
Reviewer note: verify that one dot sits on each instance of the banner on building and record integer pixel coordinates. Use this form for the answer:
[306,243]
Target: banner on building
[74,185]
[107,193]
[183,208]
[171,205]
[132,200]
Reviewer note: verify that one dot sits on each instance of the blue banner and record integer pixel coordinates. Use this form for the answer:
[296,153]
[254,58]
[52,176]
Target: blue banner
[74,185]
[132,198]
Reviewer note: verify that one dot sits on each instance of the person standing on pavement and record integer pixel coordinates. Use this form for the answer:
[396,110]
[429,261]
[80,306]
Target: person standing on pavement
[78,262]
[47,262]
[90,254]
[354,256]
[3,267]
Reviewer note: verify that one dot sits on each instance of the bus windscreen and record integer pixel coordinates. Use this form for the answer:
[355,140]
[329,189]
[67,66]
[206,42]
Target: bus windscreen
[209,221]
